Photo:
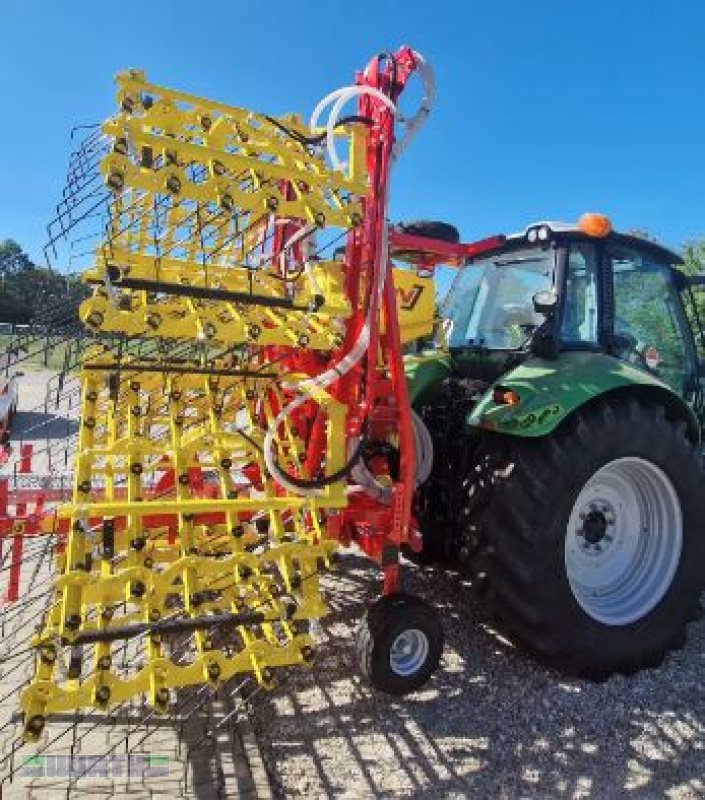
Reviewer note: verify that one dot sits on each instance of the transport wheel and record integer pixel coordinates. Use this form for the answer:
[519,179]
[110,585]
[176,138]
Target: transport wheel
[594,541]
[399,643]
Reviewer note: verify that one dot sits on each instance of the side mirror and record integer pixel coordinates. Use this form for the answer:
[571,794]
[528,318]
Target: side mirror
[545,302]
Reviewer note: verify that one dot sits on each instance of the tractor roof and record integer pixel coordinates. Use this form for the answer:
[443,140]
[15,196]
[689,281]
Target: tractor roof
[573,229]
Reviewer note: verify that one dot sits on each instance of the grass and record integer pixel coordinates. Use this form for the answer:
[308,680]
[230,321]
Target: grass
[38,355]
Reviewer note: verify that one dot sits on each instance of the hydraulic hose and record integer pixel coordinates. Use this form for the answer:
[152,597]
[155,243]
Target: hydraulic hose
[422,441]
[412,126]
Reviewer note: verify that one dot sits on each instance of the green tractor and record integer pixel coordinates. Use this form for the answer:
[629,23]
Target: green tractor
[566,414]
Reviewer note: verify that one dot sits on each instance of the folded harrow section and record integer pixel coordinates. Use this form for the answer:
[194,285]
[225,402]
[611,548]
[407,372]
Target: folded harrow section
[235,368]
[171,540]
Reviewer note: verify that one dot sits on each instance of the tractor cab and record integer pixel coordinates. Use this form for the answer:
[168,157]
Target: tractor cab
[558,287]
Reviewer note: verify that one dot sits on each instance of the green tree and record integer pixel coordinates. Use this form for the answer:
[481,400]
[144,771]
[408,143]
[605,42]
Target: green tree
[27,290]
[694,264]
[694,257]
[15,299]
[12,258]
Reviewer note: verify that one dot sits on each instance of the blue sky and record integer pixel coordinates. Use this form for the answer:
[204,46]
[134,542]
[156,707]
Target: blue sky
[544,109]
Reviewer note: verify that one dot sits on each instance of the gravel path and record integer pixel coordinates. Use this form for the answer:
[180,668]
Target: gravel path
[490,724]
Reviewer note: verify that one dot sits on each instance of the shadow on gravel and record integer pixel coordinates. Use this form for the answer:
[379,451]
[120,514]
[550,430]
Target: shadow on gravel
[186,754]
[491,723]
[30,426]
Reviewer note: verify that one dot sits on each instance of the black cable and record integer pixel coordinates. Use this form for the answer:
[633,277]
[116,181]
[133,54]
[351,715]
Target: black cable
[320,483]
[385,54]
[314,141]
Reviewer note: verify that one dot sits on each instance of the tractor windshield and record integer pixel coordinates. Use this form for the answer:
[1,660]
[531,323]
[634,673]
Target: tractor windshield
[490,301]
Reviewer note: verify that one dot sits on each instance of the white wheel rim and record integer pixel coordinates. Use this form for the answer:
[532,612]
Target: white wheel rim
[624,541]
[408,653]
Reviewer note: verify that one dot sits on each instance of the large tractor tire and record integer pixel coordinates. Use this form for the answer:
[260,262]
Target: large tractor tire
[593,540]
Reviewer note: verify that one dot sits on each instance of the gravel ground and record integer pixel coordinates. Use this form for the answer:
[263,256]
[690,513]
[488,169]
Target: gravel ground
[491,723]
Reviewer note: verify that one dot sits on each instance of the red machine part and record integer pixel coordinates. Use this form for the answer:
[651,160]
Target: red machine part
[19,524]
[427,253]
[377,391]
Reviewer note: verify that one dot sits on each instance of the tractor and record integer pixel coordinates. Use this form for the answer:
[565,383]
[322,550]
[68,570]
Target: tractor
[565,406]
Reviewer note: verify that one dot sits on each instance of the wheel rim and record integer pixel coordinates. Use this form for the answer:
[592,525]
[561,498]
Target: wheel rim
[623,541]
[408,653]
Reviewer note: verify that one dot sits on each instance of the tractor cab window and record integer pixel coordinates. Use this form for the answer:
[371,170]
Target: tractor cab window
[490,303]
[648,319]
[579,322]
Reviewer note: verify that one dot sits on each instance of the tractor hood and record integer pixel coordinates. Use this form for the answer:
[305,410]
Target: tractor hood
[551,390]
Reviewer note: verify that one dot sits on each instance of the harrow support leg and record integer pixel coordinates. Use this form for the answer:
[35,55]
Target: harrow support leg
[13,584]
[392,580]
[26,458]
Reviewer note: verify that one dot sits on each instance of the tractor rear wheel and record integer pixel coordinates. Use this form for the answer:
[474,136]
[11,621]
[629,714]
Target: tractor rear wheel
[593,548]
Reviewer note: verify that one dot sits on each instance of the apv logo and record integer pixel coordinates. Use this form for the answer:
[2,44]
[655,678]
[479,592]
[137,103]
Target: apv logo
[408,298]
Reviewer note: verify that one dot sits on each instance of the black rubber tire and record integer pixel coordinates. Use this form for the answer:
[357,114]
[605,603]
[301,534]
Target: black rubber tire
[524,524]
[443,231]
[384,621]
